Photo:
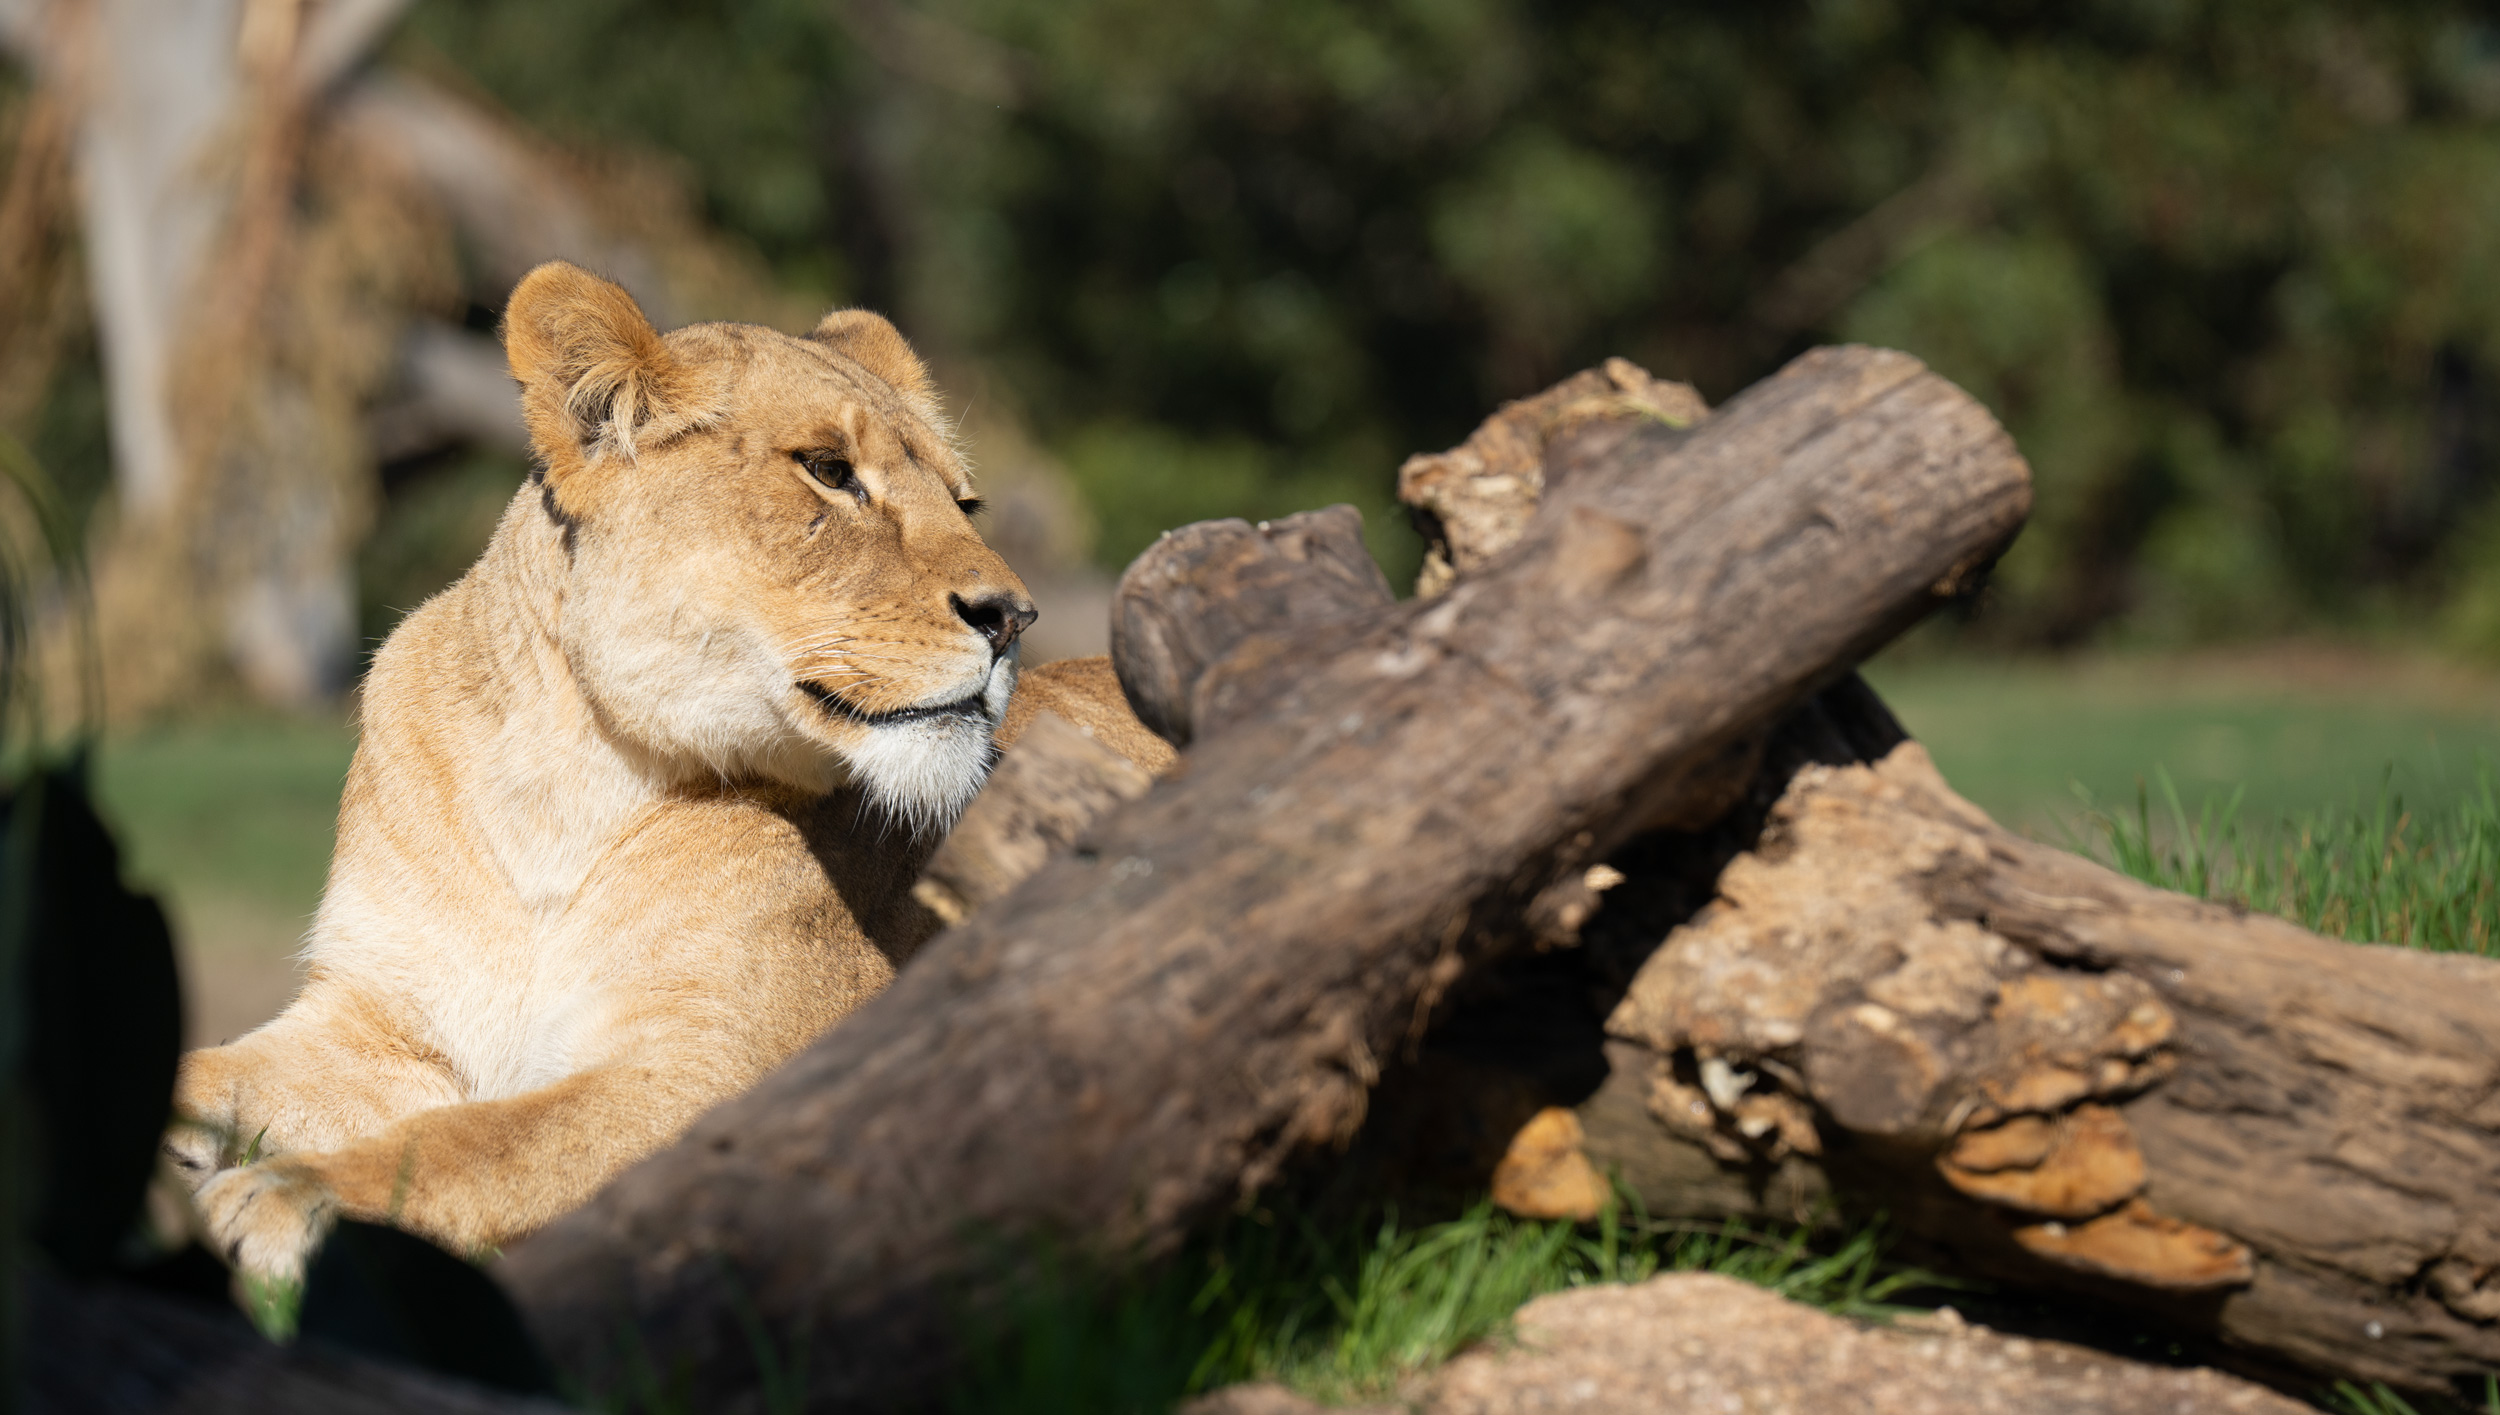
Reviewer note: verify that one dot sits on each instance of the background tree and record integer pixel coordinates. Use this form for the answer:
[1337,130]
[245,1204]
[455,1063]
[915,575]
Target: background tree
[2223,267]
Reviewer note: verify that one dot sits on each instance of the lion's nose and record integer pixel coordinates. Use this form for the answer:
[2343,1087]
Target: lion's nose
[998,618]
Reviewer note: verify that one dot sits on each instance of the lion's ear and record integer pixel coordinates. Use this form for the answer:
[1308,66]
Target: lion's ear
[595,378]
[879,347]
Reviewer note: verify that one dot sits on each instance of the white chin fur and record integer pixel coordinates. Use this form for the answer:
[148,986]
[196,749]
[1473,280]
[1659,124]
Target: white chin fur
[923,774]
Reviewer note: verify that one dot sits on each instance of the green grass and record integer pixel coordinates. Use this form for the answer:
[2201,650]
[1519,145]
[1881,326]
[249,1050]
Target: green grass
[231,811]
[2376,1399]
[273,1303]
[2373,873]
[1350,1310]
[2291,730]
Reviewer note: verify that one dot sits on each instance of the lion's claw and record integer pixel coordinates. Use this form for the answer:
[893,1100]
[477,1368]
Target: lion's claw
[267,1218]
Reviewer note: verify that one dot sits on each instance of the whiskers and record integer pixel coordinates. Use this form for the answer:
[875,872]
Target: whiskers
[917,761]
[864,676]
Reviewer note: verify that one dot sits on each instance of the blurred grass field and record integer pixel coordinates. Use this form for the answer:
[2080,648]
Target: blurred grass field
[230,818]
[2293,728]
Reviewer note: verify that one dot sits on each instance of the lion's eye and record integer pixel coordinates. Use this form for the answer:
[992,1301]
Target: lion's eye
[971,505]
[832,472]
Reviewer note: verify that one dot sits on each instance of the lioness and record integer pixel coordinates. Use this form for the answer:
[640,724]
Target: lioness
[637,804]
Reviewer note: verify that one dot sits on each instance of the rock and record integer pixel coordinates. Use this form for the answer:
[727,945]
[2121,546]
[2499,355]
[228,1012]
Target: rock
[1269,1398]
[1699,1342]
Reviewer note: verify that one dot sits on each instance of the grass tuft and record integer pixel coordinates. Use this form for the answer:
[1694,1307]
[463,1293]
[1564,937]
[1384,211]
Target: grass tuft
[2375,873]
[1354,1310]
[2377,1399]
[273,1304]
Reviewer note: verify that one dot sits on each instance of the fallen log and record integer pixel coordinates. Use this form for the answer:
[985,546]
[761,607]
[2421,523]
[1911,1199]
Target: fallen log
[1147,1028]
[2299,1163]
[1069,750]
[1047,788]
[2070,1081]
[1252,600]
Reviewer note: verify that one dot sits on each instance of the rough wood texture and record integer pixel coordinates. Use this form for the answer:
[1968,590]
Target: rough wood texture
[1070,749]
[2070,1080]
[1473,501]
[1526,1035]
[1048,787]
[1149,1027]
[1200,591]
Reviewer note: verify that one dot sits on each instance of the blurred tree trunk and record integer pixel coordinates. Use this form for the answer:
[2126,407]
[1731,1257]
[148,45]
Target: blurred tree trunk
[237,325]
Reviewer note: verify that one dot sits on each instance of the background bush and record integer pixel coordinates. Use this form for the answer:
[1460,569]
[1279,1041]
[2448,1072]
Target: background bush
[2226,268]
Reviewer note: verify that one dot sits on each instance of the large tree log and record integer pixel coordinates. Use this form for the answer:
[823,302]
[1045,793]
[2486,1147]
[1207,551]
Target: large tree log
[1147,1028]
[1047,788]
[2068,1080]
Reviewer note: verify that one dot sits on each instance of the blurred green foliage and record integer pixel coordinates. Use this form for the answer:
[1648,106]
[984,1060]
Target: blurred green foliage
[434,528]
[2226,267]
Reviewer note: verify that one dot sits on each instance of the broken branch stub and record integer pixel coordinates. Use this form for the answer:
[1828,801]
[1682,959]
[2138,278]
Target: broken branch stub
[1198,593]
[1475,500]
[1150,1026]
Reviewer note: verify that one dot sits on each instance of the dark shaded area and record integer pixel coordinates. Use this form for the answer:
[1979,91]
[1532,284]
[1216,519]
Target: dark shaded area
[90,1028]
[101,1014]
[112,1349]
[395,1297]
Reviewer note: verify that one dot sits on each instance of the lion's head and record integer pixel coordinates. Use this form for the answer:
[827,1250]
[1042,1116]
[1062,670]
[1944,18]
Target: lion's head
[771,567]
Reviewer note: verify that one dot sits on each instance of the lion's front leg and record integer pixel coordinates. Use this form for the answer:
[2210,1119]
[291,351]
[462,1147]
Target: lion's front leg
[333,1066]
[471,1176]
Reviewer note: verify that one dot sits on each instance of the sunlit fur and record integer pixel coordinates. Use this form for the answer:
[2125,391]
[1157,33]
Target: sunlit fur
[637,804]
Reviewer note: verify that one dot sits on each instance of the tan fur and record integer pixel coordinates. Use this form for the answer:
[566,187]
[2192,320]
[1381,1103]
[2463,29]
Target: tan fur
[602,861]
[1087,693]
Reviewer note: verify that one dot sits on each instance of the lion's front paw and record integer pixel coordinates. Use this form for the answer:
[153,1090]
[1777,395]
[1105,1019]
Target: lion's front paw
[267,1218]
[197,1150]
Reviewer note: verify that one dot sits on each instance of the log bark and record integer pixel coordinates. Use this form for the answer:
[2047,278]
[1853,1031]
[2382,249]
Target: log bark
[2066,1080]
[1047,788]
[1475,500]
[1221,590]
[1149,1027]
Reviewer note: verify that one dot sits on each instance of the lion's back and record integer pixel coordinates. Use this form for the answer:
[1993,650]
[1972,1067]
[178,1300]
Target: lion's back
[1087,693]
